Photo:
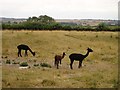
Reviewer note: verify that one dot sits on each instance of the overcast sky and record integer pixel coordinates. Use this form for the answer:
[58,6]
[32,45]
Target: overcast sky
[60,9]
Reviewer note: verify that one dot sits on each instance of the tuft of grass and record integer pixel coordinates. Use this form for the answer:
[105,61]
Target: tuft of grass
[111,36]
[24,64]
[47,82]
[96,36]
[8,62]
[45,65]
[36,65]
[116,84]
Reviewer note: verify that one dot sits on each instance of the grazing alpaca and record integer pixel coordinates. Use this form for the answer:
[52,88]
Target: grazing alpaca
[78,57]
[24,47]
[58,59]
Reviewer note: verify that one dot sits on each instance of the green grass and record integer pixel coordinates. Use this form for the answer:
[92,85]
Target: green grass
[100,68]
[24,64]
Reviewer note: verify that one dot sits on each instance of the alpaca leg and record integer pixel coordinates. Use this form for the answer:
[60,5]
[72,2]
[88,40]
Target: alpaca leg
[57,66]
[26,53]
[80,64]
[57,63]
[71,64]
[19,53]
[60,61]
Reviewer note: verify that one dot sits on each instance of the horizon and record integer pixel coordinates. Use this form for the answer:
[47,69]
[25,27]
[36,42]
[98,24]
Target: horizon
[59,18]
[61,9]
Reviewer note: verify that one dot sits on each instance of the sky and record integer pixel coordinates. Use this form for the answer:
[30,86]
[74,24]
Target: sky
[60,9]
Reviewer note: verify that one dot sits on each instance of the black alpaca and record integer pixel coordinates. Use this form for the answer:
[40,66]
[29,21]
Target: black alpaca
[78,57]
[58,59]
[24,47]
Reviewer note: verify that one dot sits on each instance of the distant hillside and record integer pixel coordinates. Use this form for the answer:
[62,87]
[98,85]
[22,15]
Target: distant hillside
[83,22]
[86,22]
[5,20]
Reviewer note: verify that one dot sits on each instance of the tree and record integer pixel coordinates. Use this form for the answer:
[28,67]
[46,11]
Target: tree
[42,22]
[102,26]
[46,19]
[32,19]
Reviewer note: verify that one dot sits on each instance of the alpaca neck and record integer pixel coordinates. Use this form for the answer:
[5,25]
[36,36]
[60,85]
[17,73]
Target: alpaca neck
[63,56]
[30,50]
[86,54]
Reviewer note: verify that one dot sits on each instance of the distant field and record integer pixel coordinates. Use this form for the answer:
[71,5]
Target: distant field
[100,68]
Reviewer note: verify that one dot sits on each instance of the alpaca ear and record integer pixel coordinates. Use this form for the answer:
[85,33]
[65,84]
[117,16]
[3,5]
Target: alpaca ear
[64,53]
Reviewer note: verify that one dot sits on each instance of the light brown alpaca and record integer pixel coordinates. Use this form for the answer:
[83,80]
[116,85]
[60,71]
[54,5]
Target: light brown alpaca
[58,59]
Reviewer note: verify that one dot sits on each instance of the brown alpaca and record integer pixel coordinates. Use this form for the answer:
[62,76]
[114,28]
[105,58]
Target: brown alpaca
[58,59]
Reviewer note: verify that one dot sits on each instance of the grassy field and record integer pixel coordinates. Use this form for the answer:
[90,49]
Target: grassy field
[99,70]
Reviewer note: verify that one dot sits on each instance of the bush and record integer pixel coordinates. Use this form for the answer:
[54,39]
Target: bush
[45,65]
[24,64]
[36,65]
[8,62]
[102,26]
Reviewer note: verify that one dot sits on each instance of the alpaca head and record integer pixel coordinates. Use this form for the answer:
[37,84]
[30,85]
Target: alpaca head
[90,50]
[33,53]
[64,54]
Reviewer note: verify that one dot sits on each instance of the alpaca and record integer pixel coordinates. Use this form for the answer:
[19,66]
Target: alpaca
[79,57]
[24,47]
[58,59]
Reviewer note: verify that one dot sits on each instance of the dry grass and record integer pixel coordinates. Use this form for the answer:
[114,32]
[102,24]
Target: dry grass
[100,68]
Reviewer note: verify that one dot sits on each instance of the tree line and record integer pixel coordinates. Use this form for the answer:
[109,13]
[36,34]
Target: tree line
[45,22]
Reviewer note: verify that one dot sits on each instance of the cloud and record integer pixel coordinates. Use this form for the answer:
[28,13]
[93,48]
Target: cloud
[59,8]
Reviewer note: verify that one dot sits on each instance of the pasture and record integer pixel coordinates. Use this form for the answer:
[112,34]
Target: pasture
[99,69]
